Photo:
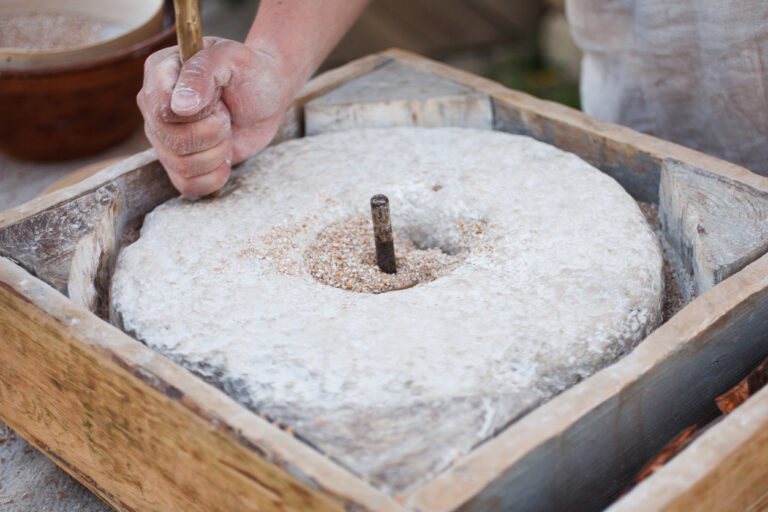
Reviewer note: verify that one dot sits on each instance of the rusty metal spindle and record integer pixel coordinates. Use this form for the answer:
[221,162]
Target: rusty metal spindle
[382,230]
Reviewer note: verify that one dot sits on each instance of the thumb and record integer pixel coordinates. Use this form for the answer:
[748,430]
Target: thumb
[196,86]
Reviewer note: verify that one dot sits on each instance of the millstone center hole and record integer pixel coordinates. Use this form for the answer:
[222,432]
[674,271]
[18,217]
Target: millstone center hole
[344,256]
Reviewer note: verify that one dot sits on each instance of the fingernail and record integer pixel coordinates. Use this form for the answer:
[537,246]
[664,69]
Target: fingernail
[184,99]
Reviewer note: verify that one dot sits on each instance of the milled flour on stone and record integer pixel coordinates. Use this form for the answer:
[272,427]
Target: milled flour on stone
[541,270]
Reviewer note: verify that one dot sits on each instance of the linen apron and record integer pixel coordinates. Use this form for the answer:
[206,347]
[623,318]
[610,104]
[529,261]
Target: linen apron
[693,72]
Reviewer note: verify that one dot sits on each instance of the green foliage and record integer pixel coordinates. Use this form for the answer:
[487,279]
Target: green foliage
[523,67]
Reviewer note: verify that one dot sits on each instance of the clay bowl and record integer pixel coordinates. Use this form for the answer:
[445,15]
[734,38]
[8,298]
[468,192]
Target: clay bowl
[78,109]
[41,33]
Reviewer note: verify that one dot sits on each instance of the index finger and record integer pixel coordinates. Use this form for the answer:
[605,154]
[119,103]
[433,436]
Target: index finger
[161,71]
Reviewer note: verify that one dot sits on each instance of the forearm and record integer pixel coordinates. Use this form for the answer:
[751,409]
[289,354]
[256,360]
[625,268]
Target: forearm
[299,34]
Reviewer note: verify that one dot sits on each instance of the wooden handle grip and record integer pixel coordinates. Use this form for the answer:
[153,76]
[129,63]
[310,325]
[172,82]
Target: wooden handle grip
[189,32]
[189,29]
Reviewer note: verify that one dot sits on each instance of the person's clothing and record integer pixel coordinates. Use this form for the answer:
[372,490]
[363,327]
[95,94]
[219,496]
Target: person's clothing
[690,71]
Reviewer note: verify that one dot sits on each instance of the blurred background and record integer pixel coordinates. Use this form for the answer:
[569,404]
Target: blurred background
[524,44]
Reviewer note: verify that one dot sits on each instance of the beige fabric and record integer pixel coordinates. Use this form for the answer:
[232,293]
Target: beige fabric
[690,71]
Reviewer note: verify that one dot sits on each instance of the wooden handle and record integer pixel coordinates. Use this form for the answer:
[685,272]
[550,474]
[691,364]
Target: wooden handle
[189,30]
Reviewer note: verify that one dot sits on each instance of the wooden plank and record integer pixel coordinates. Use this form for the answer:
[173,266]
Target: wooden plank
[397,95]
[726,468]
[41,234]
[80,174]
[292,124]
[718,224]
[576,451]
[93,261]
[141,432]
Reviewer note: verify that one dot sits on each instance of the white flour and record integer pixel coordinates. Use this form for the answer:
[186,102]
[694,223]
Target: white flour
[566,277]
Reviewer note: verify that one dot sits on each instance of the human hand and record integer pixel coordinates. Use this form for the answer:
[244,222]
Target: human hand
[221,107]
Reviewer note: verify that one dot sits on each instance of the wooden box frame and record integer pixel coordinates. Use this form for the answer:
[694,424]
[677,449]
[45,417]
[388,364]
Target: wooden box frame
[145,434]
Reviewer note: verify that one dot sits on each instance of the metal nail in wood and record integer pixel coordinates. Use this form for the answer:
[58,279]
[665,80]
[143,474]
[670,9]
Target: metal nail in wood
[382,230]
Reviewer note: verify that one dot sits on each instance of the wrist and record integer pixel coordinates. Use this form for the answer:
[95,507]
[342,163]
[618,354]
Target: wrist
[292,77]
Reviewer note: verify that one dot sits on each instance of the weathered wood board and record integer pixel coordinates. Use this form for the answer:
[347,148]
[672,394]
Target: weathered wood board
[725,469]
[398,95]
[147,435]
[718,224]
[594,435]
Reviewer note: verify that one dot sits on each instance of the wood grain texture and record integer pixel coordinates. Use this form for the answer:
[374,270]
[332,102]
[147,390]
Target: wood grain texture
[575,452]
[719,225]
[43,241]
[80,174]
[93,260]
[189,28]
[43,244]
[139,431]
[724,469]
[397,95]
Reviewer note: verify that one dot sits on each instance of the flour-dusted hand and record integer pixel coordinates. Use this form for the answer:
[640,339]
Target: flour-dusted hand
[221,107]
[225,103]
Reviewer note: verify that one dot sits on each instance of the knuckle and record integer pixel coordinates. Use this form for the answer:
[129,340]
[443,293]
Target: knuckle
[216,131]
[149,132]
[181,145]
[190,166]
[195,70]
[199,136]
[149,65]
[181,140]
[185,168]
[175,144]
[161,111]
[151,62]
